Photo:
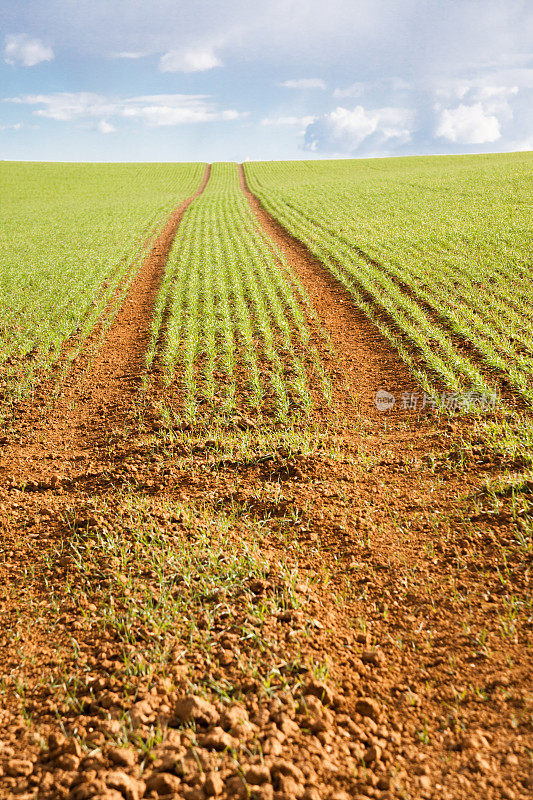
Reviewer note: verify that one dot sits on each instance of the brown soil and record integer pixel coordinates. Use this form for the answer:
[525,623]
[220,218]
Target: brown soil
[374,645]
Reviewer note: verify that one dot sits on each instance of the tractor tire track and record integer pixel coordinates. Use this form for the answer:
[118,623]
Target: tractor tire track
[96,395]
[367,360]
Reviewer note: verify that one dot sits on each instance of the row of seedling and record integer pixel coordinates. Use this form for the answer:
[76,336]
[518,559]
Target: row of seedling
[230,321]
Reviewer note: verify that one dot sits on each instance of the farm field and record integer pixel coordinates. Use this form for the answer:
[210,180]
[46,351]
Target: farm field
[234,311]
[266,477]
[436,250]
[72,237]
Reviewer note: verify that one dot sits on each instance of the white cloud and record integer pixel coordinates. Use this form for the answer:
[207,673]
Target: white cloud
[23,50]
[494,96]
[304,83]
[198,59]
[345,131]
[280,121]
[67,106]
[468,125]
[473,110]
[16,126]
[153,110]
[105,127]
[161,115]
[176,109]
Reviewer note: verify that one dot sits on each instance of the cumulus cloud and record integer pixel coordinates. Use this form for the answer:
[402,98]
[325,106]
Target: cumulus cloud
[105,127]
[14,126]
[304,83]
[494,96]
[346,131]
[198,59]
[25,51]
[153,110]
[468,125]
[485,108]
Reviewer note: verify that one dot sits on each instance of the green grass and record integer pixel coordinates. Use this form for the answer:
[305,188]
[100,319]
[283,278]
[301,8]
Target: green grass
[71,235]
[236,334]
[436,250]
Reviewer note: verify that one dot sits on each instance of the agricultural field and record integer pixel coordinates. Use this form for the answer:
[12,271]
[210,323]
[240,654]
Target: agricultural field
[236,333]
[437,251]
[266,479]
[72,237]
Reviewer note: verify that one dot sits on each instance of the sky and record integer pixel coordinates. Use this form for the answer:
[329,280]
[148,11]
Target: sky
[211,80]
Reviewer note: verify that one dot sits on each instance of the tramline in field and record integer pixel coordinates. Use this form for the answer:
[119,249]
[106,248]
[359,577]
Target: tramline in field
[437,251]
[71,235]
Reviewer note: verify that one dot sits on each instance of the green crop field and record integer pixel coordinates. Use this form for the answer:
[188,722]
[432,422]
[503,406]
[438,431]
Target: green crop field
[437,251]
[236,331]
[71,236]
[228,570]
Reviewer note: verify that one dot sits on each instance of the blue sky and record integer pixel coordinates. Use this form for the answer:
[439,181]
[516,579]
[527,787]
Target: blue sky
[177,80]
